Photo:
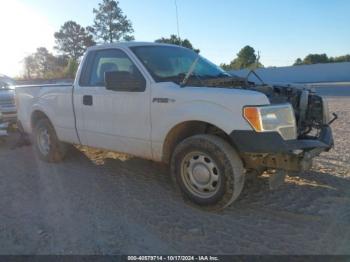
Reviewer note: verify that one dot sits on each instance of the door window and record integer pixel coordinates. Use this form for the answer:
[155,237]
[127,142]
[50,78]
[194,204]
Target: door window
[111,60]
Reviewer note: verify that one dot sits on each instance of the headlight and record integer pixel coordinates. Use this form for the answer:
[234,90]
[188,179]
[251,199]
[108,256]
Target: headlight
[279,118]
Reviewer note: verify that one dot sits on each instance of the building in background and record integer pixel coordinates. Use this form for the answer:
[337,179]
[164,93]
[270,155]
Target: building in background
[316,73]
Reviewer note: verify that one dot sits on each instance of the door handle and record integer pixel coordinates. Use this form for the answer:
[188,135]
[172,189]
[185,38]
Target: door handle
[87,100]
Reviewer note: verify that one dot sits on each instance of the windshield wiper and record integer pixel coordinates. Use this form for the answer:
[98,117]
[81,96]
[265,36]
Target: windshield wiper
[190,71]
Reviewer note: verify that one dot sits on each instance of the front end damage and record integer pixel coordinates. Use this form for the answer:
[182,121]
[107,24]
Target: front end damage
[286,152]
[269,150]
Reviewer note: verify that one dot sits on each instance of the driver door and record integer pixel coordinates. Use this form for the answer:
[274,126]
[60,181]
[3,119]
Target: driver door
[110,119]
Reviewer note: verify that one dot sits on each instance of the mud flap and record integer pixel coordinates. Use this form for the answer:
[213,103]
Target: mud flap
[277,179]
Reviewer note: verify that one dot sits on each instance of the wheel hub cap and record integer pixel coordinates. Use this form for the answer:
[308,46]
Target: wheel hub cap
[200,174]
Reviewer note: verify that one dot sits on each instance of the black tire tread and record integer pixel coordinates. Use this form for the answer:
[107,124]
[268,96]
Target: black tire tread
[58,149]
[233,166]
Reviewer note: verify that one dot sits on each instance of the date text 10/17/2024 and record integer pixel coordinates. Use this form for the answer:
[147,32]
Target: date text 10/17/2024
[172,258]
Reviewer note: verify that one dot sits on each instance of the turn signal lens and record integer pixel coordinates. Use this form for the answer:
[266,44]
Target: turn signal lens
[252,115]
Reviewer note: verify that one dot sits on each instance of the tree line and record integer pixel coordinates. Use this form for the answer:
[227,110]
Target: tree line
[111,25]
[320,59]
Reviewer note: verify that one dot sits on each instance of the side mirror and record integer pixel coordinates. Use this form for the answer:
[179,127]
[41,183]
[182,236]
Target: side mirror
[123,81]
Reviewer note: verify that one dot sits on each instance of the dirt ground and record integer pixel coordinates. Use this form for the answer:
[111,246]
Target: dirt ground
[128,206]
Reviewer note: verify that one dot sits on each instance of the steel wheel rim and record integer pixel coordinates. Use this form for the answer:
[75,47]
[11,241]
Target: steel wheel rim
[43,138]
[200,174]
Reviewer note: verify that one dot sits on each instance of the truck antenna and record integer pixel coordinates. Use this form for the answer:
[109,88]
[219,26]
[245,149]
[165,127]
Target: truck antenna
[177,19]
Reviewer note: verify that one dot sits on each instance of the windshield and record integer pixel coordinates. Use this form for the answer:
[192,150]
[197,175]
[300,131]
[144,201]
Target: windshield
[171,63]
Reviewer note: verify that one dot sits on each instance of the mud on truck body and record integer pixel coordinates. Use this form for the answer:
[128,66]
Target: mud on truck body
[168,104]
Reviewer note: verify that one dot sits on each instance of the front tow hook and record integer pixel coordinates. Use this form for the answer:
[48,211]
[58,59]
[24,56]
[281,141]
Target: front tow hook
[335,117]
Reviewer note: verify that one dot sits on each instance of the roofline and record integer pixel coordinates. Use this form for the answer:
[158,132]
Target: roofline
[130,44]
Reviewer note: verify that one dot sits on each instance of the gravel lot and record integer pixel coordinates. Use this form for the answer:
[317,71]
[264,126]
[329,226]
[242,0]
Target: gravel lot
[109,206]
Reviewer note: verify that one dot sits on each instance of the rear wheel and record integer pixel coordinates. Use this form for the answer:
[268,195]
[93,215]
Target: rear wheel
[208,171]
[46,143]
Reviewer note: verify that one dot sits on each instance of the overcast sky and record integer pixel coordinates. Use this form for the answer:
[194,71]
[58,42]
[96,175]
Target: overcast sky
[282,30]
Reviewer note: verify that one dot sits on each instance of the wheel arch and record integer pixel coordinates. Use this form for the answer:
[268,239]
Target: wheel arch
[186,129]
[36,116]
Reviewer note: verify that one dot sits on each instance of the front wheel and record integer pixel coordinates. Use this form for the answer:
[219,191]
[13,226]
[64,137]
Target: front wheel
[208,171]
[46,142]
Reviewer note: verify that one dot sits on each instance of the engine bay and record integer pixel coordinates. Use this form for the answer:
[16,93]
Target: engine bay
[311,110]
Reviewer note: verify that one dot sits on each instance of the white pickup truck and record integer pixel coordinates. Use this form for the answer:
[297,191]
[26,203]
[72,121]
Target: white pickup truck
[166,103]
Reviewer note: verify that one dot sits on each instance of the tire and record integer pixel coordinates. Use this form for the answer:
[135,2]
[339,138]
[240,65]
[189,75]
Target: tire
[208,171]
[53,151]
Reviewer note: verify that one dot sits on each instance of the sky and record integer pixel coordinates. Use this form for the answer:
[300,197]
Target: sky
[281,30]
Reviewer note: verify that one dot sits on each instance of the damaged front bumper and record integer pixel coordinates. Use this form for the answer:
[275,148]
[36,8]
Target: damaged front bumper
[271,151]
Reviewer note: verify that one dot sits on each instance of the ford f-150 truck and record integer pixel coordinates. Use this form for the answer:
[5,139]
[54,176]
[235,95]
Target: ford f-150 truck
[167,103]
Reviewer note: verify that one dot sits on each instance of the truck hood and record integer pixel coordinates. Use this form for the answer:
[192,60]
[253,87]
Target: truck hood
[232,99]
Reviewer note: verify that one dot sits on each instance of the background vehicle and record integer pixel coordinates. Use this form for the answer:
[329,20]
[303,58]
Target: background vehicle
[3,127]
[7,101]
[168,104]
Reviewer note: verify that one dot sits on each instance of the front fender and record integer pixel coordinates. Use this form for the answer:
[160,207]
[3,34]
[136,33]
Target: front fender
[204,111]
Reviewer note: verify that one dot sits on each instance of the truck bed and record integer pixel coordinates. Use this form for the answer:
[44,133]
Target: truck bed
[55,100]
